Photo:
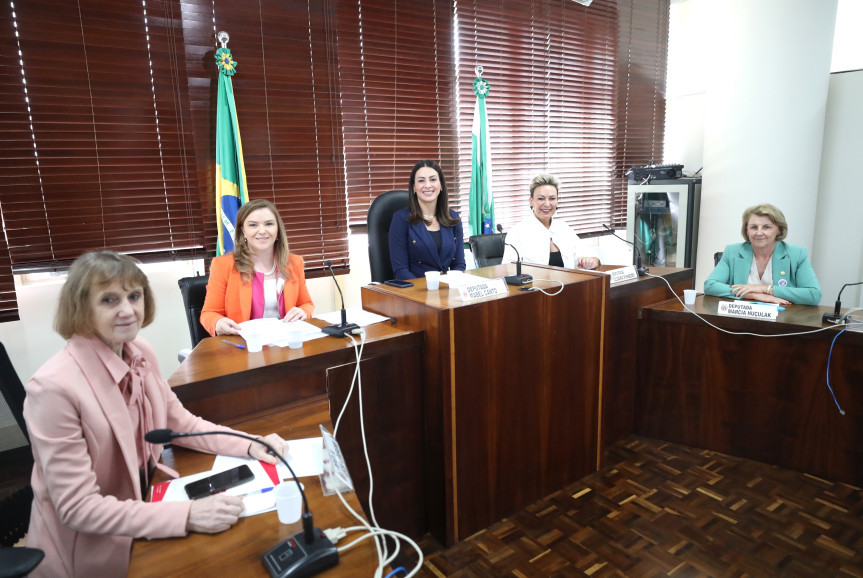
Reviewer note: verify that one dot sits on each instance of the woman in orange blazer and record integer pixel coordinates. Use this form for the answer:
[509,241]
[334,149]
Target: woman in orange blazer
[87,410]
[261,278]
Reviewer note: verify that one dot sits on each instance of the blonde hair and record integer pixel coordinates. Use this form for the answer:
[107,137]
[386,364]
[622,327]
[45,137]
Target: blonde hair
[92,270]
[769,211]
[243,257]
[543,179]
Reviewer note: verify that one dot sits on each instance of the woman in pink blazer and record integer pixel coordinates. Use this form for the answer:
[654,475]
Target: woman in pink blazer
[87,410]
[261,278]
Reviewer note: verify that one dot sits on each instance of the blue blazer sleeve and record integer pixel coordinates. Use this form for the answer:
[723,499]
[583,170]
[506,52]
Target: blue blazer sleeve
[399,245]
[458,263]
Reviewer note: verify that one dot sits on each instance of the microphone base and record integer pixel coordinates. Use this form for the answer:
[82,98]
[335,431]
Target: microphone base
[833,319]
[294,558]
[642,271]
[522,279]
[340,330]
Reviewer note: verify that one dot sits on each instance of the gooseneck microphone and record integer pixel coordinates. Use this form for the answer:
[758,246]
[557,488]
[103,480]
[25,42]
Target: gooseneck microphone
[344,327]
[835,317]
[304,554]
[642,271]
[518,278]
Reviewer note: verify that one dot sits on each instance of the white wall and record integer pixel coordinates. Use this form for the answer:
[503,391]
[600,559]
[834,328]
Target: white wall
[756,122]
[838,234]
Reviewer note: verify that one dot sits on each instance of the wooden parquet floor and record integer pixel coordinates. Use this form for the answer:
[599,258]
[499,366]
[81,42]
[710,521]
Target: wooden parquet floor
[664,509]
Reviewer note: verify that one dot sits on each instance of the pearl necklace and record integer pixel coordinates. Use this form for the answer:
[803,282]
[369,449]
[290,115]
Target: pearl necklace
[270,272]
[429,217]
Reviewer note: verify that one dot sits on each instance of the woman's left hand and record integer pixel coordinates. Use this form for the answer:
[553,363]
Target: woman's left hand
[741,290]
[259,452]
[295,314]
[588,263]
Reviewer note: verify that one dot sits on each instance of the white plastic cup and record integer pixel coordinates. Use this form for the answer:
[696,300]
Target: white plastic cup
[289,502]
[254,341]
[689,296]
[433,280]
[295,338]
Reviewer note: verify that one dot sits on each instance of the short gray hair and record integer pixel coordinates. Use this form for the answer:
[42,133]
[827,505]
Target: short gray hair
[544,179]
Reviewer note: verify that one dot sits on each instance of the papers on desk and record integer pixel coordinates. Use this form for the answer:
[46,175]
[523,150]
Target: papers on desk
[361,317]
[276,331]
[304,455]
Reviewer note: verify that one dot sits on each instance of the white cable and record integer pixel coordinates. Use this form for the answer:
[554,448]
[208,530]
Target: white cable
[413,544]
[676,296]
[543,291]
[380,546]
[359,379]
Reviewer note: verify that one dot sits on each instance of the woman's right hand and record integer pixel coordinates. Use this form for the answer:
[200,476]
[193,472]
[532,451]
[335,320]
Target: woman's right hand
[227,326]
[214,514]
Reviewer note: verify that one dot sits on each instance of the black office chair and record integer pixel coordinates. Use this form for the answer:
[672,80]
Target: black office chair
[194,290]
[717,257]
[379,219]
[15,507]
[487,249]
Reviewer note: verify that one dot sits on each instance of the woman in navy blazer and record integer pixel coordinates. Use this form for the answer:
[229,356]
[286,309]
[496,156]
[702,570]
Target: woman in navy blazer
[426,236]
[765,268]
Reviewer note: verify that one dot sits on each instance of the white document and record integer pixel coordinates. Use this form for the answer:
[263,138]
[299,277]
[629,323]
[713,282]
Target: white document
[359,316]
[275,331]
[456,279]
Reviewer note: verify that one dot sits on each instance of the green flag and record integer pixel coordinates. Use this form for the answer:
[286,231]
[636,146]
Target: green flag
[481,200]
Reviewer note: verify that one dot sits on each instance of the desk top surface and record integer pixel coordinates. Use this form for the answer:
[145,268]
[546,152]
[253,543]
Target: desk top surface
[446,298]
[213,358]
[238,551]
[794,318]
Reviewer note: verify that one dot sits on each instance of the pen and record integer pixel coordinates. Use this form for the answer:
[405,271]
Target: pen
[257,492]
[237,345]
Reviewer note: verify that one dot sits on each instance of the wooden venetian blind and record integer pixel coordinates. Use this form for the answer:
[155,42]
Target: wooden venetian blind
[640,104]
[95,151]
[554,100]
[287,95]
[396,76]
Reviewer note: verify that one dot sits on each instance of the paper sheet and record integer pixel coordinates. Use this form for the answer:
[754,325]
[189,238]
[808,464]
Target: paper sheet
[275,331]
[356,315]
[304,455]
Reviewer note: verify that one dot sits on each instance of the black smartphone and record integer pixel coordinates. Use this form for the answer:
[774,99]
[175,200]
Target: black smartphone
[219,482]
[399,283]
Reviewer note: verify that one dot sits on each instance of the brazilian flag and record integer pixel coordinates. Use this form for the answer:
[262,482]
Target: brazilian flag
[231,191]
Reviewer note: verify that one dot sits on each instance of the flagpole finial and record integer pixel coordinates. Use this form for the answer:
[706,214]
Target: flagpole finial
[223,38]
[478,70]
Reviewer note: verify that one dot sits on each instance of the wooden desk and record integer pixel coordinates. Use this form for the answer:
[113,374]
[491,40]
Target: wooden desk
[621,344]
[512,390]
[228,385]
[238,551]
[760,398]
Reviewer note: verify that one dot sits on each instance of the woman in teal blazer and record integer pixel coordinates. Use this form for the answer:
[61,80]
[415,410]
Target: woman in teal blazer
[765,268]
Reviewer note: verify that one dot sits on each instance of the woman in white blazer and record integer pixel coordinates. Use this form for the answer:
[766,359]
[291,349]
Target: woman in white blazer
[542,240]
[87,410]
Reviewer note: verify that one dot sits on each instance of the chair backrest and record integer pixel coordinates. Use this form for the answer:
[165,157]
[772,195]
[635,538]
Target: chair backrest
[13,390]
[194,290]
[717,257]
[14,507]
[487,249]
[379,219]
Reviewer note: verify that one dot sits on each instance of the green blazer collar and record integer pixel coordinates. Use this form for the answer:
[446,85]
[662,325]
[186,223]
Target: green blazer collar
[781,263]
